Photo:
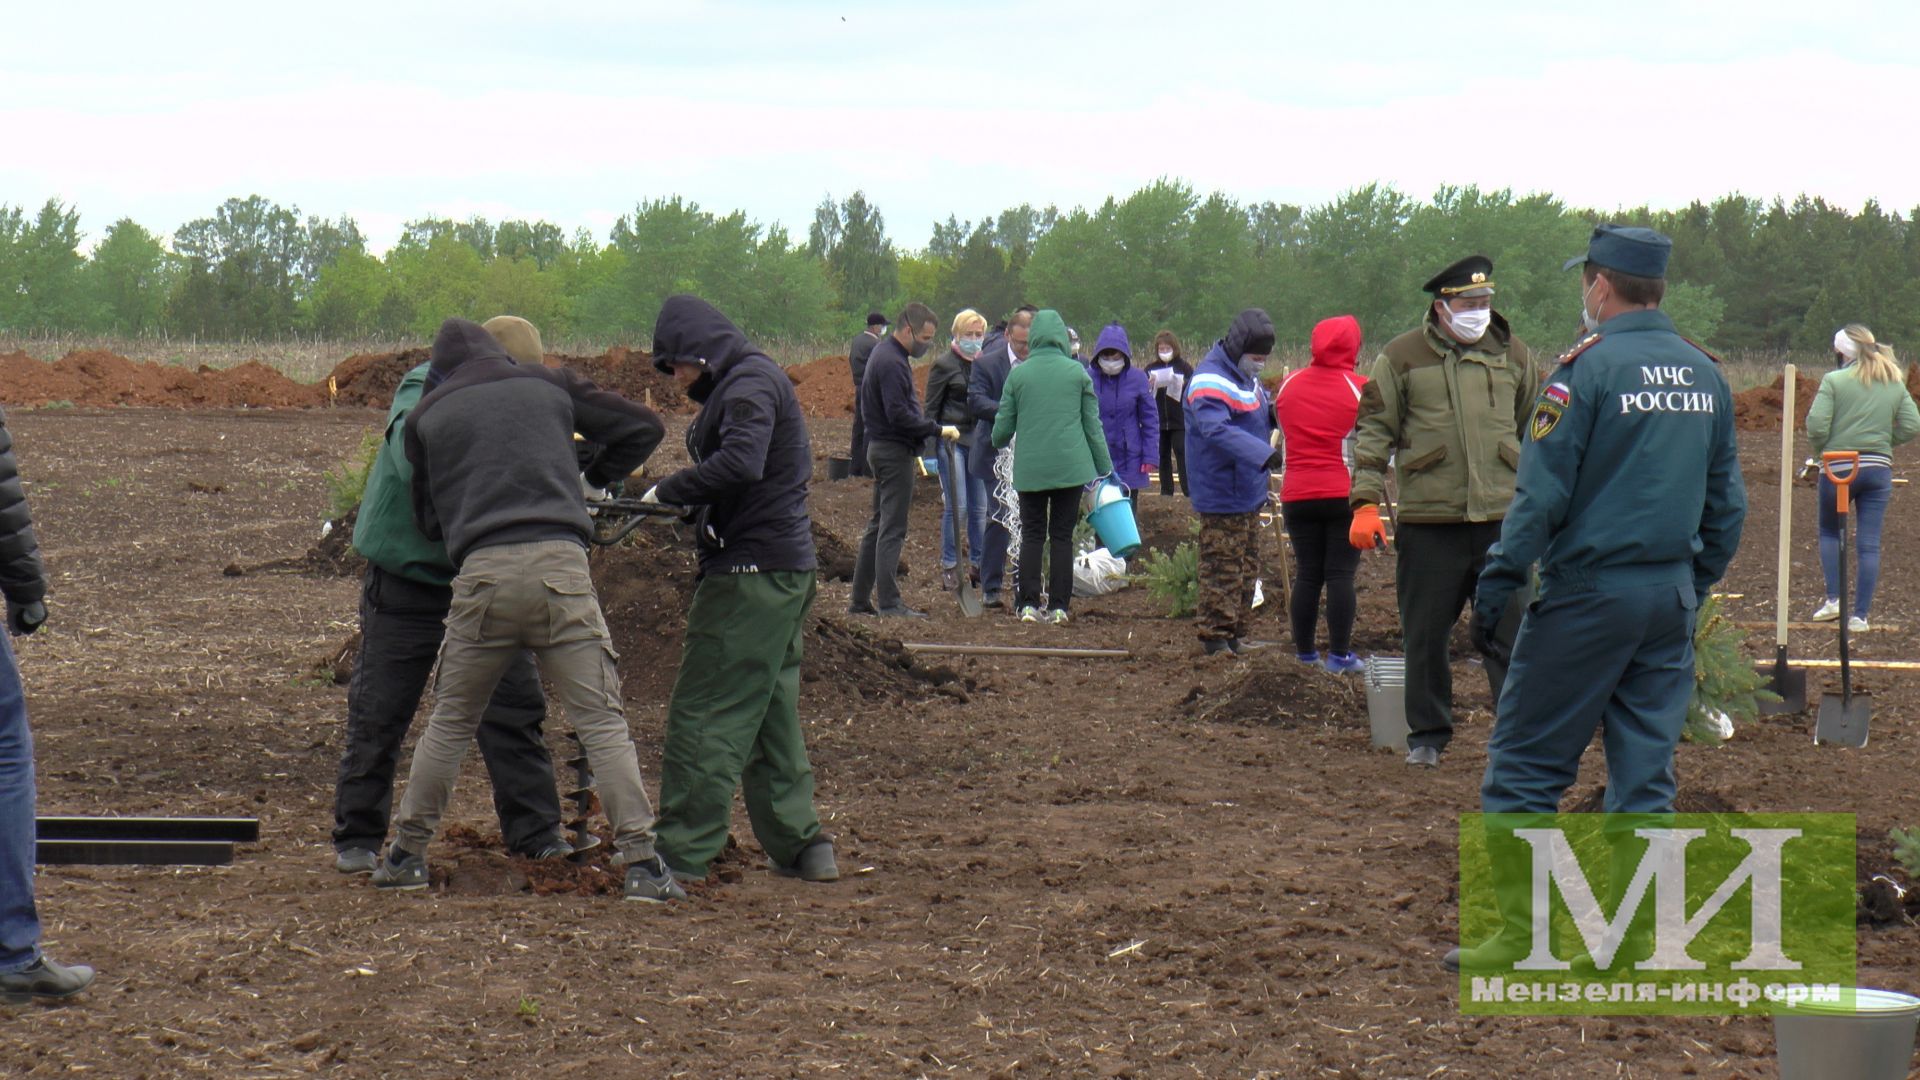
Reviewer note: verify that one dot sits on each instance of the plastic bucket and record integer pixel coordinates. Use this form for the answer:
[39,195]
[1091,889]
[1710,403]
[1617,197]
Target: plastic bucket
[1386,681]
[1113,522]
[839,468]
[1866,1035]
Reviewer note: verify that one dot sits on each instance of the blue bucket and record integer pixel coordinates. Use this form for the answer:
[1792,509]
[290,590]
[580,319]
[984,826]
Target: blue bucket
[1112,519]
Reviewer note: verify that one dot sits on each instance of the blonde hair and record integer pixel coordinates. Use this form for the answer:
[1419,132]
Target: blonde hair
[969,320]
[1876,363]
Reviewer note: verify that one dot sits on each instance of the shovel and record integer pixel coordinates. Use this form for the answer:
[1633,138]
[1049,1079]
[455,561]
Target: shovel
[1843,716]
[966,591]
[1789,683]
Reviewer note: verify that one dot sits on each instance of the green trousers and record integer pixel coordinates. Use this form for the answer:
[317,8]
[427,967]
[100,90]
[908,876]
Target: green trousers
[735,722]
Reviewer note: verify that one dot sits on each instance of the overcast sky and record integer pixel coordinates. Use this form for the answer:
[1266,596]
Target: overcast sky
[397,110]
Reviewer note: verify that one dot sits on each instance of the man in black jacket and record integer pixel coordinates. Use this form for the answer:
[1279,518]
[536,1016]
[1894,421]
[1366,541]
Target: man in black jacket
[25,973]
[734,720]
[495,477]
[857,354]
[988,379]
[890,403]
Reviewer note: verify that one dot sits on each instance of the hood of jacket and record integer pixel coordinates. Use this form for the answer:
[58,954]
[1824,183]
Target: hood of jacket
[1049,334]
[689,328]
[1251,332]
[1336,343]
[460,342]
[1113,338]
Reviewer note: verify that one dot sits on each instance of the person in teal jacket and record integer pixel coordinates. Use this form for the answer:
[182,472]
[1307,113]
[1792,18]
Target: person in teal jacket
[404,597]
[1865,407]
[1049,405]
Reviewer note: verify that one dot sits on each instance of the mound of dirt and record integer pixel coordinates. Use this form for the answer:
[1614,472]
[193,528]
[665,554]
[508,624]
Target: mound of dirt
[1759,409]
[825,388]
[95,378]
[369,379]
[1271,690]
[631,374]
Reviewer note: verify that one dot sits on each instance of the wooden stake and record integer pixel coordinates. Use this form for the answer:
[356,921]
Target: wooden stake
[1013,650]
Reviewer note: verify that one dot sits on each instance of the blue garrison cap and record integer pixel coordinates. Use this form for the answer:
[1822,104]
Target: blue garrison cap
[1628,249]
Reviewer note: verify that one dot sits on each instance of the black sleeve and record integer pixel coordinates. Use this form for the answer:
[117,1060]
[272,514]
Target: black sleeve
[21,576]
[628,430]
[982,401]
[746,431]
[423,512]
[939,386]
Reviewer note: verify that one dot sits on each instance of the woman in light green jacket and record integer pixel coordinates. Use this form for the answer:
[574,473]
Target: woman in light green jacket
[1863,406]
[1049,404]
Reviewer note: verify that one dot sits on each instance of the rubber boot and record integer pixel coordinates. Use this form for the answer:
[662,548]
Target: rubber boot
[1512,873]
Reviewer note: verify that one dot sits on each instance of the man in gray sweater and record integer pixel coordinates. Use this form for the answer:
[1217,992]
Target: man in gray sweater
[495,478]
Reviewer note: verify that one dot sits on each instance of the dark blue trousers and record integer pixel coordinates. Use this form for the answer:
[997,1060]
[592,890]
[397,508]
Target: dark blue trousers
[19,921]
[1623,657]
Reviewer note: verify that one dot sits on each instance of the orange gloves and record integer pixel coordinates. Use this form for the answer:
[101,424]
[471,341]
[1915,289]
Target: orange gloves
[1366,530]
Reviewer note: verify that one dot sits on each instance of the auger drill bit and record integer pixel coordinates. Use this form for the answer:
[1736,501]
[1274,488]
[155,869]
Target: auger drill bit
[583,799]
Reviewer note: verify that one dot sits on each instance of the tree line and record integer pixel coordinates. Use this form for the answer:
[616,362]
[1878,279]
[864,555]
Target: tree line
[1747,276]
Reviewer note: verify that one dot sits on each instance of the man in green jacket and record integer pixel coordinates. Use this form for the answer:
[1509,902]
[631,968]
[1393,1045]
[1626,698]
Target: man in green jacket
[1447,404]
[1049,404]
[404,598]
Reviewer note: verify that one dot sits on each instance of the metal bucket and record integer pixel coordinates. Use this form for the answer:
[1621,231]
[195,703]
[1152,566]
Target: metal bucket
[1386,680]
[1866,1035]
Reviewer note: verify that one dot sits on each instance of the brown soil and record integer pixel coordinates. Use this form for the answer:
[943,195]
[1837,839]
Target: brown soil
[1007,826]
[369,379]
[824,385]
[1759,409]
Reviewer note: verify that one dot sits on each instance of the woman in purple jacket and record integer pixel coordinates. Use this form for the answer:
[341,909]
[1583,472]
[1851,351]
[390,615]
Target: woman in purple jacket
[1128,415]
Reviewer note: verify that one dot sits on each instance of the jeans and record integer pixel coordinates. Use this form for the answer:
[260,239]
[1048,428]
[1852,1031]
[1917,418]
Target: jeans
[973,502]
[1322,557]
[1867,505]
[19,921]
[402,623]
[1047,518]
[877,567]
[507,599]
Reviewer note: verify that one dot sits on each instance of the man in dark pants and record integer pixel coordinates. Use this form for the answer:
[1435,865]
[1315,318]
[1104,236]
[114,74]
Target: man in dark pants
[1630,498]
[404,599]
[896,429]
[997,358]
[734,721]
[857,354]
[1450,402]
[26,974]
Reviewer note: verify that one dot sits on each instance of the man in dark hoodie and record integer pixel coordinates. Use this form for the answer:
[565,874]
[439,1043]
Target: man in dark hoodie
[26,974]
[495,477]
[734,719]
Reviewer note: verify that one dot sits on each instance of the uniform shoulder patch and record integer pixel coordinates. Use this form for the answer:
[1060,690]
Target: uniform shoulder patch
[1703,349]
[1551,406]
[1586,343]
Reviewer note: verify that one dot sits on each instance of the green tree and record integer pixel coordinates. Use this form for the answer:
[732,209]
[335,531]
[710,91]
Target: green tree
[127,279]
[239,270]
[851,237]
[40,264]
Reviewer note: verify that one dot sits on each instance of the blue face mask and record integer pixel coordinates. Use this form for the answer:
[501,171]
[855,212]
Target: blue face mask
[968,346]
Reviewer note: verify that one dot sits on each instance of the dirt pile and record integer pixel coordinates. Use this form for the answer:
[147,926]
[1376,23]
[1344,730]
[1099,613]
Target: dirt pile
[369,379]
[1759,409]
[630,373]
[94,378]
[824,385]
[1274,690]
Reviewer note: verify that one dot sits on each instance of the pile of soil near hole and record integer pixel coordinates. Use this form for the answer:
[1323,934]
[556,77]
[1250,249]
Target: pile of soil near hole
[824,385]
[1759,409]
[92,378]
[471,862]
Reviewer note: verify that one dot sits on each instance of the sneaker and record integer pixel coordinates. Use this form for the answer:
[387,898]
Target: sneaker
[355,860]
[408,874]
[649,882]
[991,599]
[1425,757]
[1308,658]
[555,848]
[814,864]
[901,612]
[44,981]
[949,578]
[1829,611]
[1057,617]
[1029,614]
[1856,625]
[1345,664]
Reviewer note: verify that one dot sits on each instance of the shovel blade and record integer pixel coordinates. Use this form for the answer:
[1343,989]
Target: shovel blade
[1843,722]
[1791,685]
[969,597]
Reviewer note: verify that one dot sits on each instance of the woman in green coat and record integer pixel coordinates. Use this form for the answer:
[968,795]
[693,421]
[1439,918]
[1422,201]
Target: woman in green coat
[1863,406]
[1049,405]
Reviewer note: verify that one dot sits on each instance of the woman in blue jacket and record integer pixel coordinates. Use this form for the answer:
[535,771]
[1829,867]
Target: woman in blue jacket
[1128,415]
[1229,447]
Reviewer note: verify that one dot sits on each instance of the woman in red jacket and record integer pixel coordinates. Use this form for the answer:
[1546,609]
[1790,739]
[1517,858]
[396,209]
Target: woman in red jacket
[1316,408]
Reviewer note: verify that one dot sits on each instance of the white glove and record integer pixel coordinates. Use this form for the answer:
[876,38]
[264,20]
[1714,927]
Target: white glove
[652,496]
[588,491]
[950,433]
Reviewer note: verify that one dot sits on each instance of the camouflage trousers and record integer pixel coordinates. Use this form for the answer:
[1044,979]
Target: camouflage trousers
[1229,563]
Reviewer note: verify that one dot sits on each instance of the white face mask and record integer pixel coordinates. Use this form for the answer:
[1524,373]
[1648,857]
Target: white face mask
[1166,356]
[1587,318]
[1469,326]
[1113,365]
